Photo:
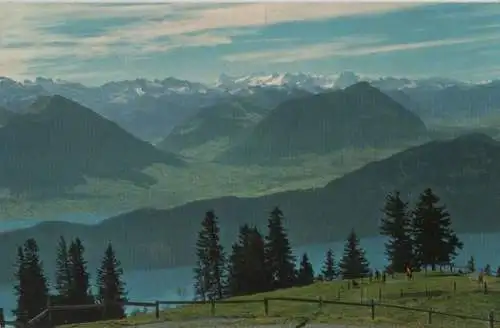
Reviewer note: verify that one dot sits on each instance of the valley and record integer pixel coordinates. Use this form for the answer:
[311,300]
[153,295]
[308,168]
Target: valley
[198,180]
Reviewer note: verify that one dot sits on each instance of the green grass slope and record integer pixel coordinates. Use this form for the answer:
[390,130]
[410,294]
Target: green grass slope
[444,294]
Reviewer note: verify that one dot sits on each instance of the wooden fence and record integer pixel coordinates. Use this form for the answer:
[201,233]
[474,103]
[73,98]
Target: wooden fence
[372,305]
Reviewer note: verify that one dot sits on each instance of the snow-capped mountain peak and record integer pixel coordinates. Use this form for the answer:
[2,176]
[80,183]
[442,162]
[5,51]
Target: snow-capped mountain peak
[317,82]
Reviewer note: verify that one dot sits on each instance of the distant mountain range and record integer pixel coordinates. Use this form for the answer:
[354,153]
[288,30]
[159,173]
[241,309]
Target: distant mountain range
[316,83]
[464,172]
[359,116]
[150,109]
[55,144]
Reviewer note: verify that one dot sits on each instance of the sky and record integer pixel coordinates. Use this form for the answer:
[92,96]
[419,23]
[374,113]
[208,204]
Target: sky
[94,43]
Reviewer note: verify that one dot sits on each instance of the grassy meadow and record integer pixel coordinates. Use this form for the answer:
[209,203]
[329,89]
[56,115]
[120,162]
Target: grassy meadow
[458,295]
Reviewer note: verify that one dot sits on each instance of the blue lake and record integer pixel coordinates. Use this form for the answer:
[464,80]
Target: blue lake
[176,284]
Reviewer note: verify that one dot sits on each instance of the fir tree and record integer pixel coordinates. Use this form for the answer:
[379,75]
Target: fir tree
[450,252]
[487,270]
[32,290]
[80,286]
[247,271]
[471,265]
[63,273]
[279,258]
[353,264]
[20,289]
[257,278]
[110,286]
[202,277]
[306,273]
[236,275]
[435,243]
[396,225]
[329,272]
[210,269]
[498,272]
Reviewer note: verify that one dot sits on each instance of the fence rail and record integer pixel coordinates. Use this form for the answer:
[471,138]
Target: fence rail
[372,304]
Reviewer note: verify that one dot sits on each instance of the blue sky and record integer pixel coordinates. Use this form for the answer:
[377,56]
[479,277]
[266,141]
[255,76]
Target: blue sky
[95,43]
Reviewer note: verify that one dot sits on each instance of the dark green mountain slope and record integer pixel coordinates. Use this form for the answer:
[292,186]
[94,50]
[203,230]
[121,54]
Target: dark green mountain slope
[358,116]
[465,172]
[223,122]
[56,143]
[5,116]
[216,128]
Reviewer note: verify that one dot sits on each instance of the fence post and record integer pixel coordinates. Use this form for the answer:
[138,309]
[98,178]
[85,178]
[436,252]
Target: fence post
[212,307]
[49,312]
[380,294]
[429,319]
[373,309]
[401,292]
[157,310]
[320,303]
[266,306]
[454,286]
[2,318]
[104,309]
[338,294]
[485,287]
[491,318]
[361,294]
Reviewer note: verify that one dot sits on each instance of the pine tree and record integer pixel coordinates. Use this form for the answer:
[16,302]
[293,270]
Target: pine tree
[257,278]
[396,224]
[450,252]
[247,271]
[498,272]
[63,273]
[306,273]
[79,291]
[236,274]
[202,277]
[353,264]
[210,269]
[471,265]
[110,286]
[435,243]
[20,289]
[32,290]
[279,258]
[329,272]
[487,270]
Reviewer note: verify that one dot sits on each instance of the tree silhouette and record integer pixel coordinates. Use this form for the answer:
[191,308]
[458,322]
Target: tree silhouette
[279,258]
[434,241]
[31,290]
[211,260]
[306,273]
[329,272]
[110,286]
[63,272]
[353,264]
[396,225]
